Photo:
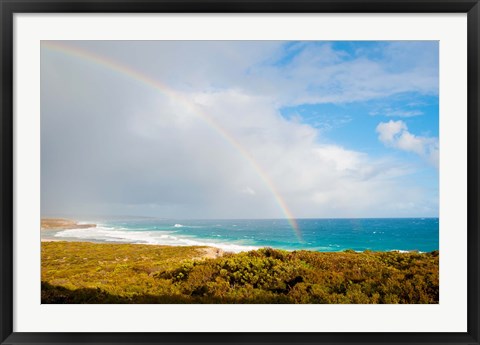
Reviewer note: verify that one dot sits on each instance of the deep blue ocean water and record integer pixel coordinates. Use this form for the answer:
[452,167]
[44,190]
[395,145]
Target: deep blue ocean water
[381,234]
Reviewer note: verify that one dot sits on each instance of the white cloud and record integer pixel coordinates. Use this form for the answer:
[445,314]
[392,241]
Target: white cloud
[404,113]
[321,74]
[133,149]
[317,74]
[248,190]
[395,134]
[397,113]
[315,179]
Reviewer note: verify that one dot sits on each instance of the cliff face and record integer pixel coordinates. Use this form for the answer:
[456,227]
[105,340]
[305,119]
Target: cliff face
[59,223]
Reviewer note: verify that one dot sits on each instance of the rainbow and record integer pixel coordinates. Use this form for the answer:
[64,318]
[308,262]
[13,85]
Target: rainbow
[127,71]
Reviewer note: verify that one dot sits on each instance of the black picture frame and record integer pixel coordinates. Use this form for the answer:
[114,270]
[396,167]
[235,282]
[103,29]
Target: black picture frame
[7,10]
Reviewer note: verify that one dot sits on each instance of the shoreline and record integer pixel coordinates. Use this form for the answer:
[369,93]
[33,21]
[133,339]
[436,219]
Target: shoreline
[63,224]
[55,225]
[213,249]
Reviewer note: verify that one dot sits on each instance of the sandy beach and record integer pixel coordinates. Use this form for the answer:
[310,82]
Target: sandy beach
[63,224]
[58,224]
[53,225]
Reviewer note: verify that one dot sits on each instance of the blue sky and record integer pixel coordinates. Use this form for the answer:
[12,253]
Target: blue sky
[353,124]
[334,129]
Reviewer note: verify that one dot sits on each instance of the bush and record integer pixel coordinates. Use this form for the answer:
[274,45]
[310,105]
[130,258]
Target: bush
[123,273]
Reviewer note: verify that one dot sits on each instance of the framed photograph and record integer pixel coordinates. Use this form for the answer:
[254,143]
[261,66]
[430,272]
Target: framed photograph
[239,172]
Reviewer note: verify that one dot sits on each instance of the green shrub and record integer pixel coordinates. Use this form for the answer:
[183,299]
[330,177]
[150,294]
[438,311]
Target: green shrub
[124,273]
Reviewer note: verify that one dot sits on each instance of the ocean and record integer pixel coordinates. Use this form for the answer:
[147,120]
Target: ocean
[325,235]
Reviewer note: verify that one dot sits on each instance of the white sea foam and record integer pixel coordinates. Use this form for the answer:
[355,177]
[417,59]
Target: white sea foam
[187,226]
[406,251]
[170,238]
[85,222]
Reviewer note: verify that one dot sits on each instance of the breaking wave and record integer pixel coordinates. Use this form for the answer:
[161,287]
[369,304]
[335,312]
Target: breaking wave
[169,238]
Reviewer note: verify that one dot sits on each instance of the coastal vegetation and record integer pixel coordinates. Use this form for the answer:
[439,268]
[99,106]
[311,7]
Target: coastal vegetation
[81,272]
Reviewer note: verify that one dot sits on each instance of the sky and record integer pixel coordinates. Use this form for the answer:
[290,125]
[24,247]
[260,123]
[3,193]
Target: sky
[240,129]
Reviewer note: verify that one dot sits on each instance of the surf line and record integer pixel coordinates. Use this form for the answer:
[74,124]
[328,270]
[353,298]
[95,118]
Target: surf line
[129,72]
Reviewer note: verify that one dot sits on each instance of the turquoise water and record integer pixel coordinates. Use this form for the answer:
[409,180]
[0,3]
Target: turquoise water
[382,234]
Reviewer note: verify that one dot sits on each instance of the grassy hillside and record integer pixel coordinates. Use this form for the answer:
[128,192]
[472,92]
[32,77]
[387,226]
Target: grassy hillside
[75,272]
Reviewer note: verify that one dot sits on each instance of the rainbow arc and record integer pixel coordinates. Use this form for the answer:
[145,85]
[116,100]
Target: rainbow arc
[127,71]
